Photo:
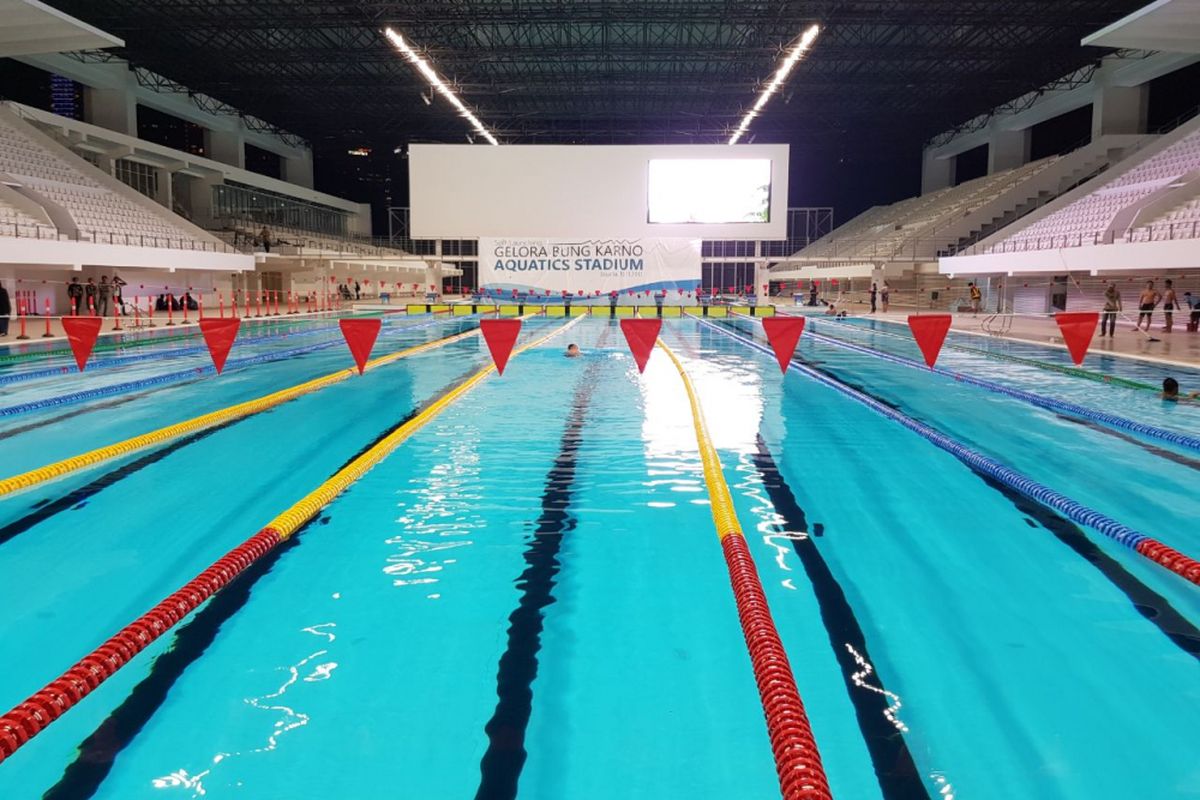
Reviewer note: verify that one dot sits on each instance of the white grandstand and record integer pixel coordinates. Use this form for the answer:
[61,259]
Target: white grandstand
[1151,197]
[50,192]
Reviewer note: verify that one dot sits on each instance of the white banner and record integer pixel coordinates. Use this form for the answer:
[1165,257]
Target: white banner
[588,268]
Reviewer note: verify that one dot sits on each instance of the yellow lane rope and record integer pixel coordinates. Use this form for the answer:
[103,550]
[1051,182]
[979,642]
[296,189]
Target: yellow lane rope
[291,520]
[156,437]
[724,516]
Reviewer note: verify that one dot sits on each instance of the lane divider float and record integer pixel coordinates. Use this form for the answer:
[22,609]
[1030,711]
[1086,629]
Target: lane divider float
[1076,372]
[1140,543]
[1048,403]
[797,760]
[165,434]
[32,716]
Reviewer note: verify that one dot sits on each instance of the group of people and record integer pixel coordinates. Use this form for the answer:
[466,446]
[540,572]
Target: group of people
[1148,301]
[92,298]
[345,292]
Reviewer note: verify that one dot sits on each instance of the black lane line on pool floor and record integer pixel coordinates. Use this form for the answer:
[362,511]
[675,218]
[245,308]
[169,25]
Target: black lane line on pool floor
[501,765]
[1178,458]
[1149,603]
[88,408]
[894,766]
[49,508]
[83,777]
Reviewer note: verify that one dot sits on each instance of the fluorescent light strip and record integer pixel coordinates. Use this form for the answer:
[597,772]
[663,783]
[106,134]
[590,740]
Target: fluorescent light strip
[437,83]
[795,54]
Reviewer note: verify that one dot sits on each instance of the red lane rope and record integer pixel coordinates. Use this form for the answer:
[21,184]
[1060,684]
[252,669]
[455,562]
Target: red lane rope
[801,774]
[29,718]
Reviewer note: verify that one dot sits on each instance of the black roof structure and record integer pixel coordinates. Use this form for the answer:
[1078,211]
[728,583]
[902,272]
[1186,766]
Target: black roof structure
[883,76]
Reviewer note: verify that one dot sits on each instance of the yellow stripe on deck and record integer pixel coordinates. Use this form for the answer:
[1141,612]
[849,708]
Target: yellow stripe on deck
[556,311]
[672,311]
[463,311]
[510,311]
[718,311]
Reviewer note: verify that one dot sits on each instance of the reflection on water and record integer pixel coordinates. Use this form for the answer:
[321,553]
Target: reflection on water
[286,718]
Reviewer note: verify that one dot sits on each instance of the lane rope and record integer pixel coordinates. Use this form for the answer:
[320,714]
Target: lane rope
[257,405]
[1140,543]
[1076,372]
[1041,401]
[67,366]
[32,716]
[133,339]
[797,760]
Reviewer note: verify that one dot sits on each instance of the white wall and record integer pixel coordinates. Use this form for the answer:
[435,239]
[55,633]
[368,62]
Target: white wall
[1139,257]
[591,191]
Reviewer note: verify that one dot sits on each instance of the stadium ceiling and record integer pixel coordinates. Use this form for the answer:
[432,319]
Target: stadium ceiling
[882,73]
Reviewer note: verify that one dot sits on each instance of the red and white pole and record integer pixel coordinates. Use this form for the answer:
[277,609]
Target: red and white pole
[47,334]
[170,310]
[21,316]
[116,315]
[221,305]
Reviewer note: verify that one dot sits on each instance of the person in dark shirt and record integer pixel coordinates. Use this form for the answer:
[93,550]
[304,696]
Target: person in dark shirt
[5,310]
[75,296]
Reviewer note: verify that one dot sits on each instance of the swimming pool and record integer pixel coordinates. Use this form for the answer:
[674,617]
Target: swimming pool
[527,598]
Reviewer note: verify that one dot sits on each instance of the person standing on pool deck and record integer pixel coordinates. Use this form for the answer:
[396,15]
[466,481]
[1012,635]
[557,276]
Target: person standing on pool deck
[1194,321]
[103,293]
[874,293]
[5,310]
[976,297]
[75,295]
[1112,304]
[883,296]
[1147,300]
[812,293]
[1169,303]
[89,299]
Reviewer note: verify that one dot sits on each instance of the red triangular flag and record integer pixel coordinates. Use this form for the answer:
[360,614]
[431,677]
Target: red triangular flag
[81,334]
[930,332]
[360,335]
[500,335]
[783,333]
[1078,328]
[641,335]
[219,333]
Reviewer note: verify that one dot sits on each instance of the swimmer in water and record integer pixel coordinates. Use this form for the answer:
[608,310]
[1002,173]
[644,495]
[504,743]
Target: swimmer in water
[573,351]
[1170,392]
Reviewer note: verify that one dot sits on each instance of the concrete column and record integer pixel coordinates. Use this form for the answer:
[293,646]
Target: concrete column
[433,276]
[299,170]
[936,173]
[1008,150]
[115,109]
[165,189]
[1119,110]
[228,147]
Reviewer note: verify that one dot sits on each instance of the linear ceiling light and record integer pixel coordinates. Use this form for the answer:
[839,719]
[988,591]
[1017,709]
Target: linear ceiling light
[437,83]
[795,54]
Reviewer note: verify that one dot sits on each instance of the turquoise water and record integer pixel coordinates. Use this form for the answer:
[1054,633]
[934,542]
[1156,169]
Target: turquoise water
[528,599]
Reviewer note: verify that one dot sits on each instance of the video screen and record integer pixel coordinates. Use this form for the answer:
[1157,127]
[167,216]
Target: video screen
[709,191]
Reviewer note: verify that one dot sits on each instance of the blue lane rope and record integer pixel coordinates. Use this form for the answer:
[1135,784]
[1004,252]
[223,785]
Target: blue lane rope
[1071,509]
[172,377]
[68,364]
[1048,403]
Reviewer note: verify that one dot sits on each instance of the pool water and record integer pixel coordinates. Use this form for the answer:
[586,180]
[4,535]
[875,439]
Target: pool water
[527,599]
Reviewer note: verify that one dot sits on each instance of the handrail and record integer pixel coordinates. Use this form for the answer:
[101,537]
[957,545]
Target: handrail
[32,716]
[165,434]
[797,760]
